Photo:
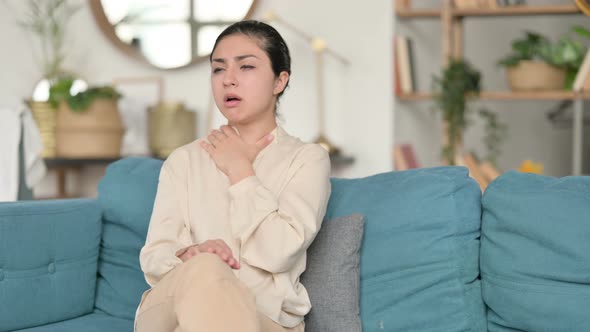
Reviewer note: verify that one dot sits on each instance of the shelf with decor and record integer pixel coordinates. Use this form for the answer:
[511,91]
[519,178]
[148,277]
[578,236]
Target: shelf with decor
[506,95]
[499,11]
[452,15]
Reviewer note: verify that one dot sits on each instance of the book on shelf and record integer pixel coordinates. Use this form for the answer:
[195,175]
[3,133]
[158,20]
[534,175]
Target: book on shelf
[396,75]
[403,71]
[459,160]
[399,163]
[581,79]
[489,171]
[404,157]
[483,172]
[474,170]
[411,57]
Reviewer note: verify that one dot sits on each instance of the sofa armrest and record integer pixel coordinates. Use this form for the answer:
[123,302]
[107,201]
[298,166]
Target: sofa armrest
[48,261]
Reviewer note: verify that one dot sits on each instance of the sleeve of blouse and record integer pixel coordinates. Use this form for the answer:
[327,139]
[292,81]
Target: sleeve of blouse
[167,232]
[275,231]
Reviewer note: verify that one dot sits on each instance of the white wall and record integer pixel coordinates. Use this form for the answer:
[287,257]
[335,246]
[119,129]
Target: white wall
[358,97]
[530,134]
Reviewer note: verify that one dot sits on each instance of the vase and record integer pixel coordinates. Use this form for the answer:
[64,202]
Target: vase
[170,126]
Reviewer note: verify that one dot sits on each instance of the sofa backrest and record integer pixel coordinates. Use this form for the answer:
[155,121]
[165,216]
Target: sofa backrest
[419,258]
[48,257]
[126,195]
[535,253]
[420,252]
[419,263]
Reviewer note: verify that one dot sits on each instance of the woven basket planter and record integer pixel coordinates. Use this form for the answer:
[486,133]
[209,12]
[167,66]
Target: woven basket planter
[94,133]
[46,119]
[170,126]
[535,76]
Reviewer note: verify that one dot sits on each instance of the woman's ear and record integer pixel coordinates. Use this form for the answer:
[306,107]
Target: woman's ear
[281,83]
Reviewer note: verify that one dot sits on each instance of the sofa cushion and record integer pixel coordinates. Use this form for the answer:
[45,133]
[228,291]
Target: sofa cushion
[126,194]
[419,257]
[89,323]
[332,276]
[48,261]
[535,259]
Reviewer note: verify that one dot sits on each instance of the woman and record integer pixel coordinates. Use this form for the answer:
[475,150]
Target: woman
[235,213]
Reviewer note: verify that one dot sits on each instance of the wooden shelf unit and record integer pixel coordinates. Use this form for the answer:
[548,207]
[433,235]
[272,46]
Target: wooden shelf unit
[452,35]
[506,95]
[500,11]
[418,13]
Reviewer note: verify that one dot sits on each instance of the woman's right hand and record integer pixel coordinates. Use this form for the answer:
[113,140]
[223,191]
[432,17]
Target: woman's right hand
[218,247]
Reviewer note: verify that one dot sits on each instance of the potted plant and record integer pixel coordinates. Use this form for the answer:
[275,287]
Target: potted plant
[536,63]
[458,84]
[88,124]
[47,21]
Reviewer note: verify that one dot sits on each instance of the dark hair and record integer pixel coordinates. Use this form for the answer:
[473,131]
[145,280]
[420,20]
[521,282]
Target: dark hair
[269,40]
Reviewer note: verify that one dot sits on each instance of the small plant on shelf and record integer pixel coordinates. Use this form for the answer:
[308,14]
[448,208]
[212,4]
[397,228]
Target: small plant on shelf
[537,63]
[454,89]
[495,134]
[60,92]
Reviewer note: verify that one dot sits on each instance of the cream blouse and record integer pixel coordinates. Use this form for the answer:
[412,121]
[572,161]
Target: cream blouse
[268,220]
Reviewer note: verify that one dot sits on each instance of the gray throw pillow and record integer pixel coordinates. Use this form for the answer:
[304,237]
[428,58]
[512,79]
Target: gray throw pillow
[332,277]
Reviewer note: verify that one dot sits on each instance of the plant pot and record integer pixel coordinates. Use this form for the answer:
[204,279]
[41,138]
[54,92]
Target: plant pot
[535,76]
[46,118]
[94,133]
[170,126]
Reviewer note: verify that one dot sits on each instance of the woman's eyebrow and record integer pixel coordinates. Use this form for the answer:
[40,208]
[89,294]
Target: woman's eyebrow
[237,58]
[245,56]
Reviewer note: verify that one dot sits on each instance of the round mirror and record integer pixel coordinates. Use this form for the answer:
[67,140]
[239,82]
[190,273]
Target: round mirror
[168,34]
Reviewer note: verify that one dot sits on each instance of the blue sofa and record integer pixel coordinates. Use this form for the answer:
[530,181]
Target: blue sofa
[436,255]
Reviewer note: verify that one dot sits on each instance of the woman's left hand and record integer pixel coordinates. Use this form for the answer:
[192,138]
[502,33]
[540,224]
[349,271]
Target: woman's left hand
[232,155]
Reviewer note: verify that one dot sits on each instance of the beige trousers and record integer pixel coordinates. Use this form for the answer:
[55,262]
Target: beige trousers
[203,294]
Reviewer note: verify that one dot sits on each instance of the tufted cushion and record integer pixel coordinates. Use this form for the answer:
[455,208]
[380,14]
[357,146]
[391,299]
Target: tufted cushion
[535,253]
[126,194]
[88,323]
[48,261]
[419,258]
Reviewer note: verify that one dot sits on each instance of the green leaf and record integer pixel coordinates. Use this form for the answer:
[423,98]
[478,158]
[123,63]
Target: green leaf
[581,31]
[60,92]
[565,53]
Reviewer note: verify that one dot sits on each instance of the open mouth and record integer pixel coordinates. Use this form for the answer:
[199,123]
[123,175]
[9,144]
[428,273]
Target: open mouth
[232,100]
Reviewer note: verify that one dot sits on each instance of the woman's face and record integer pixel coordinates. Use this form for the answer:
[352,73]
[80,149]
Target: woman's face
[244,85]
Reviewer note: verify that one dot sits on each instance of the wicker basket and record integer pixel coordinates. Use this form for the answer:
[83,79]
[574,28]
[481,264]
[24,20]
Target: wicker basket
[170,126]
[46,118]
[94,133]
[535,76]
